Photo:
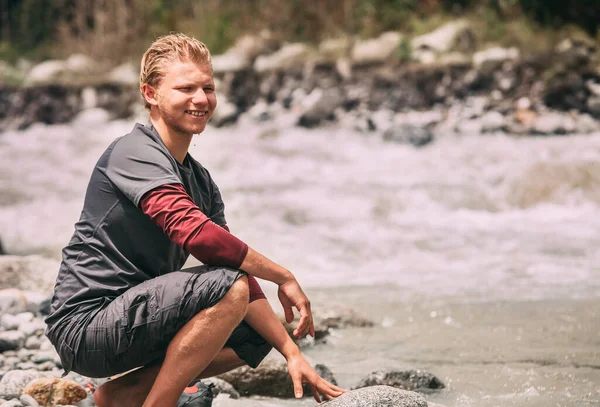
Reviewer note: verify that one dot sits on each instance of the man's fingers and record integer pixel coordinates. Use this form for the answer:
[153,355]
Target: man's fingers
[289,314]
[304,325]
[315,393]
[297,386]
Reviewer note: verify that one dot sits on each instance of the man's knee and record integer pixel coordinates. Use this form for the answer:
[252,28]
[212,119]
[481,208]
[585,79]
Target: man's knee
[238,294]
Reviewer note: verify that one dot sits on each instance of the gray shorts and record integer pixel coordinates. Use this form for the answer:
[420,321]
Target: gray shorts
[135,328]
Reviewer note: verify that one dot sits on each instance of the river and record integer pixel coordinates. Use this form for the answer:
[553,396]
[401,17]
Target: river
[476,256]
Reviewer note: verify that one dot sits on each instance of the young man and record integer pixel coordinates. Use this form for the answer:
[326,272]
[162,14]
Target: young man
[120,301]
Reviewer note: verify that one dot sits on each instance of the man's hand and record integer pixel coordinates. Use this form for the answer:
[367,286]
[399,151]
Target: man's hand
[301,372]
[291,295]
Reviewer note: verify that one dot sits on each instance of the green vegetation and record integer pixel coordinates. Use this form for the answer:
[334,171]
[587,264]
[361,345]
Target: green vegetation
[111,30]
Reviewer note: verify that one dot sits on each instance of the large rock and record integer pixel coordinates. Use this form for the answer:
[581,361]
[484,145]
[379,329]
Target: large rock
[34,272]
[416,380]
[490,59]
[242,54]
[12,301]
[270,379]
[376,50]
[377,396]
[333,49]
[220,386]
[453,35]
[46,72]
[50,392]
[553,123]
[408,134]
[13,382]
[11,340]
[80,64]
[289,56]
[319,106]
[125,74]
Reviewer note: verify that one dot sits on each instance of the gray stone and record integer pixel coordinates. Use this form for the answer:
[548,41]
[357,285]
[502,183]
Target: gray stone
[289,56]
[445,38]
[12,301]
[270,379]
[593,105]
[80,64]
[26,366]
[319,106]
[12,403]
[35,327]
[11,362]
[11,340]
[10,322]
[408,134]
[492,121]
[243,52]
[225,113]
[33,342]
[45,356]
[376,50]
[222,387]
[377,396]
[491,58]
[34,273]
[46,72]
[125,74]
[27,400]
[14,381]
[552,123]
[416,380]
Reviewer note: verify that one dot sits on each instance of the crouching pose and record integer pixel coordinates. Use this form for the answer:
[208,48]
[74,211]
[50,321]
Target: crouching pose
[122,301]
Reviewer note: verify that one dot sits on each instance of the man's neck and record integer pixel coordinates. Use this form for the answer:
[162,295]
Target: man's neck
[177,143]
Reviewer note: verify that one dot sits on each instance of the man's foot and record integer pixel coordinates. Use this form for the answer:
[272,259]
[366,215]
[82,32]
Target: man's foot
[198,395]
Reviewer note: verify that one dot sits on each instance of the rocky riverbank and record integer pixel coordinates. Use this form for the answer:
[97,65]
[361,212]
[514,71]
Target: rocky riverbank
[30,368]
[440,82]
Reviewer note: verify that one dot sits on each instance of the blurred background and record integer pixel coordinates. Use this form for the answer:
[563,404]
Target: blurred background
[433,165]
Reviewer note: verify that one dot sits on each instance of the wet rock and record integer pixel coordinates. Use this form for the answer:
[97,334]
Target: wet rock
[377,396]
[51,391]
[319,106]
[45,305]
[35,273]
[377,50]
[416,380]
[11,340]
[14,381]
[408,134]
[270,379]
[222,387]
[289,56]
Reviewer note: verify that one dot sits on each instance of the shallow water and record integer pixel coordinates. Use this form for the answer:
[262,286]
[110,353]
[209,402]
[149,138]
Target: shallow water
[476,256]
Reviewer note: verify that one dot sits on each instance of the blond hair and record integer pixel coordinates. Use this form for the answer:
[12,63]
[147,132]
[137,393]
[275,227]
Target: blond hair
[169,48]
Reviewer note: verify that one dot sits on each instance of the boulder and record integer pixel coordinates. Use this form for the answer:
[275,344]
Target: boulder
[80,64]
[220,386]
[49,392]
[454,35]
[12,301]
[270,379]
[33,272]
[225,113]
[242,54]
[409,134]
[289,56]
[377,396]
[553,123]
[492,121]
[125,74]
[27,400]
[46,73]
[490,59]
[319,106]
[13,382]
[11,340]
[333,49]
[376,50]
[416,380]
[10,322]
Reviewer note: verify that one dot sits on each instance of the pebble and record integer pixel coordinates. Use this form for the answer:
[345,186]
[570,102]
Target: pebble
[35,327]
[27,400]
[10,322]
[14,381]
[33,342]
[11,340]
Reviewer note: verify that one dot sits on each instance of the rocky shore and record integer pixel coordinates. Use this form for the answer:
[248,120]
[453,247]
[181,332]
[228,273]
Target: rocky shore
[31,370]
[409,90]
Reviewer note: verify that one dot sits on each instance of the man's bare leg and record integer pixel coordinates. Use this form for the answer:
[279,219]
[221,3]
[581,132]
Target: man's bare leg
[189,354]
[131,389]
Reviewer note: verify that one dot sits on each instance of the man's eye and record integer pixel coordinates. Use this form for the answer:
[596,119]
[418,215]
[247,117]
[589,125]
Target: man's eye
[209,89]
[185,88]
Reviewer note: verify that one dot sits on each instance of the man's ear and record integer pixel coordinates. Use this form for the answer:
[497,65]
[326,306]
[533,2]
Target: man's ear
[150,94]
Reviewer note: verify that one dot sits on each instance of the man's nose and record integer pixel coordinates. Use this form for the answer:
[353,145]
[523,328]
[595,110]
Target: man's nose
[200,97]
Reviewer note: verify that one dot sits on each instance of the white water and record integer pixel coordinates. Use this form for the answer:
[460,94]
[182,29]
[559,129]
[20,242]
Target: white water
[454,229]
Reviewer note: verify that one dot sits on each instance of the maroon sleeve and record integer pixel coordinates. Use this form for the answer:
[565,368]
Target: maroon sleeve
[256,293]
[171,208]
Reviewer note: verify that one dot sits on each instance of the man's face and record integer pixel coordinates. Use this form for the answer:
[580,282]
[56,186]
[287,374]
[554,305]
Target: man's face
[186,98]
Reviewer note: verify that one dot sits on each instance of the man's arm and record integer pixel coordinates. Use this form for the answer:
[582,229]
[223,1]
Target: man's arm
[262,319]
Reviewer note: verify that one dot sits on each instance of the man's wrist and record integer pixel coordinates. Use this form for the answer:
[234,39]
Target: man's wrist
[290,350]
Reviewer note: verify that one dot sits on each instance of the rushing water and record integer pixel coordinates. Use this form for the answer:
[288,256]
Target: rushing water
[477,257]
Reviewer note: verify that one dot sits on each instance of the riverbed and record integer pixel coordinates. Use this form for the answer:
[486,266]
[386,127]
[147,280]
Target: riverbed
[476,256]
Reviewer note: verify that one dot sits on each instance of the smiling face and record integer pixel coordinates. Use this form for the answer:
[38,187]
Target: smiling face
[185,98]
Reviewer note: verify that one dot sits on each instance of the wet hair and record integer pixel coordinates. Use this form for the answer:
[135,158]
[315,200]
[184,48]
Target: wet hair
[169,48]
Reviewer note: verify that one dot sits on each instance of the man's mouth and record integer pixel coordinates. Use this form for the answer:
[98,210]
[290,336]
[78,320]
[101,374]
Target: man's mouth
[196,113]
